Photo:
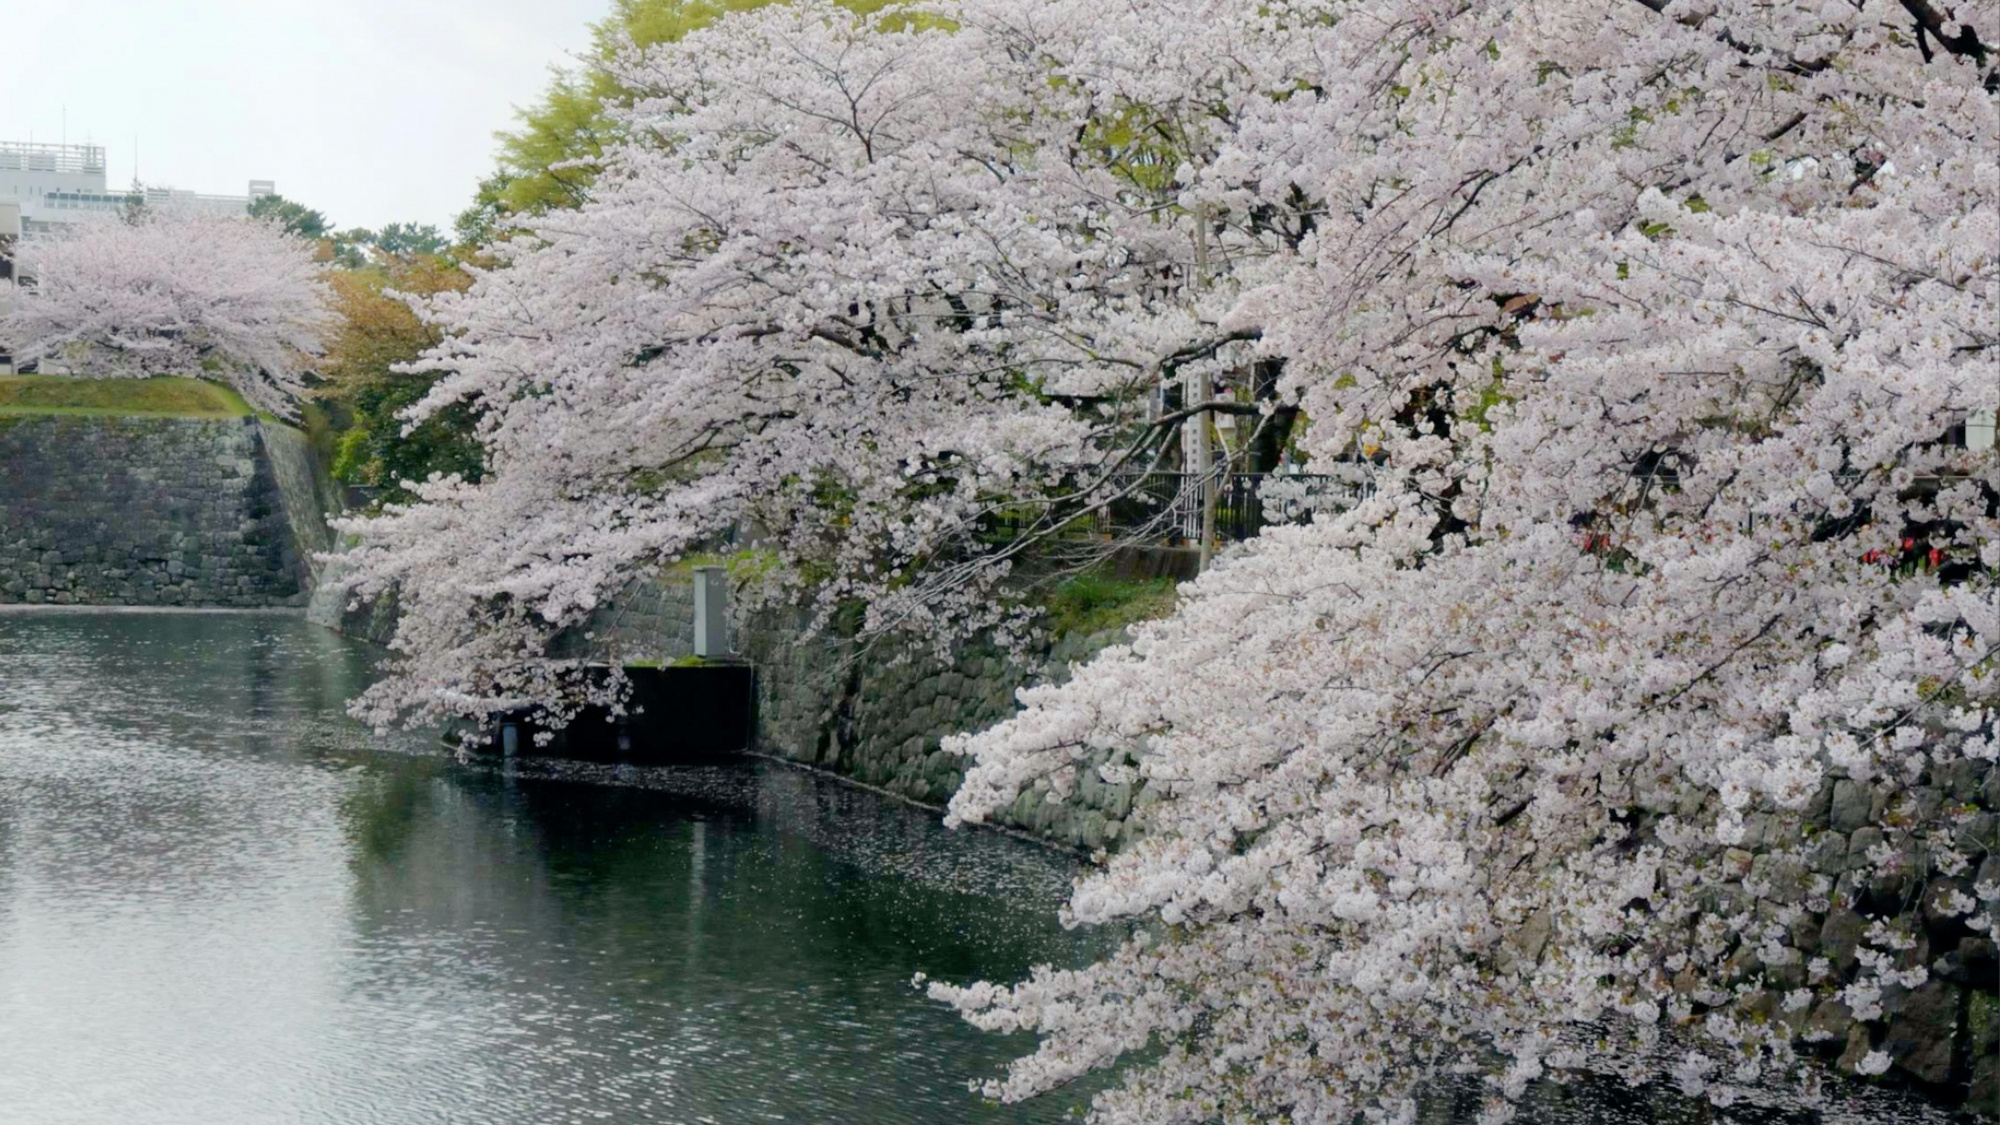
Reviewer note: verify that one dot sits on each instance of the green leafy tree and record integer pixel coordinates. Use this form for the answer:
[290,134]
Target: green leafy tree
[480,223]
[403,240]
[296,218]
[377,332]
[551,159]
[348,249]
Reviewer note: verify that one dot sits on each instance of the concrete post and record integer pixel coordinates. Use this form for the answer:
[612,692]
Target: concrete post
[711,611]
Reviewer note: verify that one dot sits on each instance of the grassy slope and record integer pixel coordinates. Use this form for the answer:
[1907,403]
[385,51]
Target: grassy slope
[1096,602]
[57,394]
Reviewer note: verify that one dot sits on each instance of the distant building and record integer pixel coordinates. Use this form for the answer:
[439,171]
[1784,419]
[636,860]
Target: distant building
[61,183]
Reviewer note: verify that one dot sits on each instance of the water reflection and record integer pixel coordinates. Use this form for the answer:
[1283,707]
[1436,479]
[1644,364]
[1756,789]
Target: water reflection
[220,901]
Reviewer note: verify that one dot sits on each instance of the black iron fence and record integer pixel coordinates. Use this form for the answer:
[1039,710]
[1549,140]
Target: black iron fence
[1171,505]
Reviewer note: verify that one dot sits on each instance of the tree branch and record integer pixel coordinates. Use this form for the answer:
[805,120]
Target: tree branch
[1965,44]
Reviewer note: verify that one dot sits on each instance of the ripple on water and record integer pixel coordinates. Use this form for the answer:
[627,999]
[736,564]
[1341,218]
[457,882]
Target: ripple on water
[222,901]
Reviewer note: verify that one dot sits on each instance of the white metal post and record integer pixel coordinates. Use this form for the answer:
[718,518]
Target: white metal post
[711,611]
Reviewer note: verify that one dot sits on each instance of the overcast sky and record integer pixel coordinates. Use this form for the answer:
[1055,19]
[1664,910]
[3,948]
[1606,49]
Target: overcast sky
[372,111]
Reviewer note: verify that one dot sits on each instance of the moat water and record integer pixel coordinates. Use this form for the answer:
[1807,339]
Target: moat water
[222,902]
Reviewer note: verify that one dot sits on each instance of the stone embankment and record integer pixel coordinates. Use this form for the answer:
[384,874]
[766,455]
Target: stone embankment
[1944,1033]
[158,511]
[878,717]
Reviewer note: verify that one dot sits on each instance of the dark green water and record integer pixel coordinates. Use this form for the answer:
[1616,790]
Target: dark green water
[222,902]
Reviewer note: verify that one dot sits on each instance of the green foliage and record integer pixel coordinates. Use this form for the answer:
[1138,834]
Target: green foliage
[296,218]
[378,333]
[1491,396]
[321,428]
[747,565]
[375,451]
[549,161]
[1094,602]
[351,454]
[356,247]
[405,239]
[1138,147]
[480,223]
[348,249]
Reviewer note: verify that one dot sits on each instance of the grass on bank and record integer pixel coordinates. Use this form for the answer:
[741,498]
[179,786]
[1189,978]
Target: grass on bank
[163,396]
[1094,602]
[679,662]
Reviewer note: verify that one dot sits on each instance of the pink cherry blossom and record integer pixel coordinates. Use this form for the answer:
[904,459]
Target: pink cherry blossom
[172,291]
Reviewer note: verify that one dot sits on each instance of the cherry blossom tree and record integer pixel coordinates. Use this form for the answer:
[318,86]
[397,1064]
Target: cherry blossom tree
[172,291]
[1656,317]
[1660,315]
[866,300]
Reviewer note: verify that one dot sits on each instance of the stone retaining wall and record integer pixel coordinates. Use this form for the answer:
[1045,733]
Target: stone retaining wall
[306,493]
[878,717]
[154,511]
[1945,1033]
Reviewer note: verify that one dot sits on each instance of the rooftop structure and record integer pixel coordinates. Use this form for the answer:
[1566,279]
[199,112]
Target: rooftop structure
[67,160]
[58,183]
[30,173]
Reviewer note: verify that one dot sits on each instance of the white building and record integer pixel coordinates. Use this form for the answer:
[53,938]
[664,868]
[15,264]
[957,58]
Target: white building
[62,182]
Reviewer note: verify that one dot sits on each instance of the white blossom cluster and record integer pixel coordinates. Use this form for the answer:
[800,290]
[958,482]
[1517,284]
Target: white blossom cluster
[174,291]
[1655,319]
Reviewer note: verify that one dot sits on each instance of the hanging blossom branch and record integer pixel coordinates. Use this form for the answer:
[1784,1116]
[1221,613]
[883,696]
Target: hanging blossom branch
[1653,323]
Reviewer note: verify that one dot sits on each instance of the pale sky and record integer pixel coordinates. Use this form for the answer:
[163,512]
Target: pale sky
[373,111]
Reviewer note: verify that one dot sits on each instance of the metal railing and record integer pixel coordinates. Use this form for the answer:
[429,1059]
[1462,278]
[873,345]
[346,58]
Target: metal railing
[73,160]
[1170,504]
[1167,507]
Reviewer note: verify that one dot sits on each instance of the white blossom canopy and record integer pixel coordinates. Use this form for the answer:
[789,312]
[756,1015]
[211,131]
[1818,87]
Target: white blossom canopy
[174,291]
[1658,316]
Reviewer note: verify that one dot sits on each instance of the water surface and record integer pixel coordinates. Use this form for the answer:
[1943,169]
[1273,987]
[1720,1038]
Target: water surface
[221,901]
